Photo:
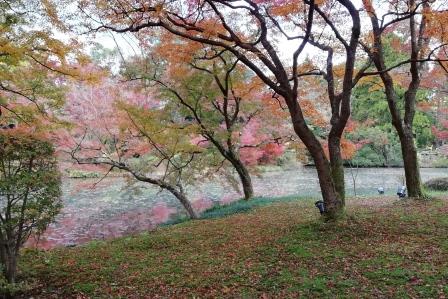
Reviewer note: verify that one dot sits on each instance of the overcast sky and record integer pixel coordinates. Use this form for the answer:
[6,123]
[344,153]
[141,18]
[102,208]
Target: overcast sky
[128,45]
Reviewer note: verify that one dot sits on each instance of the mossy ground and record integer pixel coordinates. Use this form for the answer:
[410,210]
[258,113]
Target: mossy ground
[278,248]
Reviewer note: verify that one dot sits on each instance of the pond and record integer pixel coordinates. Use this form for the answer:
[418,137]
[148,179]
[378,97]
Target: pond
[112,208]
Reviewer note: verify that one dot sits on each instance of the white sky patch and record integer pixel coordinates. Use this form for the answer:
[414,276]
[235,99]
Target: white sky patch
[128,45]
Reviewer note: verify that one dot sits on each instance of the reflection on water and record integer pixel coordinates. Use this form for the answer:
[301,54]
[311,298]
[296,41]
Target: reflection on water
[112,209]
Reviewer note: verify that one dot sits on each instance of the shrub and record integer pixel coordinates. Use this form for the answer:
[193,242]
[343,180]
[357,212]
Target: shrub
[440,163]
[81,174]
[30,191]
[437,184]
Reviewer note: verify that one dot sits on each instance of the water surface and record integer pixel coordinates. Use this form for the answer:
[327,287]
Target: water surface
[113,209]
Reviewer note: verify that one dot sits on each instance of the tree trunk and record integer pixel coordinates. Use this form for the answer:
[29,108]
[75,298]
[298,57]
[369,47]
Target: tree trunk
[333,204]
[411,168]
[404,126]
[245,178]
[9,263]
[177,190]
[337,166]
[186,204]
[246,181]
[11,269]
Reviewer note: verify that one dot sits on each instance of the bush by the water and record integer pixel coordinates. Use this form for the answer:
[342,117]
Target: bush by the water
[439,184]
[81,174]
[440,163]
[30,196]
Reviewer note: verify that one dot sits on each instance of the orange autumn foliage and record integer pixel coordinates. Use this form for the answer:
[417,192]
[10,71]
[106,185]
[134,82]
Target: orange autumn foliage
[348,149]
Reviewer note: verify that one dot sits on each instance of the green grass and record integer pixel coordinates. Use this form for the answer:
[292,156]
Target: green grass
[242,206]
[271,248]
[236,207]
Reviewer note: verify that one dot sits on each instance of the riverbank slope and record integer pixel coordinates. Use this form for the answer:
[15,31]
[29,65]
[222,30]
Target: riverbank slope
[385,248]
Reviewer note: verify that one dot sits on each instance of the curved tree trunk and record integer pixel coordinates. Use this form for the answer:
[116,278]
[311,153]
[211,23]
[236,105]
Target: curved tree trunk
[178,191]
[244,176]
[230,155]
[184,201]
[246,182]
[187,205]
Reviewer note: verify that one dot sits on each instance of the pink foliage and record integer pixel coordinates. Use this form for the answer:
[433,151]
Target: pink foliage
[93,106]
[202,204]
[444,123]
[251,156]
[257,146]
[441,134]
[273,149]
[136,147]
[250,133]
[92,110]
[161,213]
[200,141]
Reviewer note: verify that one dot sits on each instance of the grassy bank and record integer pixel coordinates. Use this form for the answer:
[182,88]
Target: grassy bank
[275,248]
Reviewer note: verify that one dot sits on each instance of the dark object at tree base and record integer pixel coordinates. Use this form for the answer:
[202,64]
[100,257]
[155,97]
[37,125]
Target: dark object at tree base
[401,192]
[320,205]
[438,184]
[9,126]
